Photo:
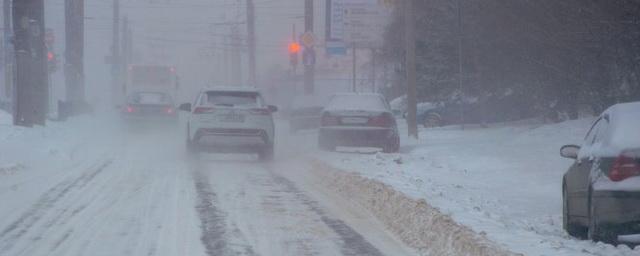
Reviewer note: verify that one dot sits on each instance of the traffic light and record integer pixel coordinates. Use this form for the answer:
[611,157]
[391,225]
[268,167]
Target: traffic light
[294,49]
[52,62]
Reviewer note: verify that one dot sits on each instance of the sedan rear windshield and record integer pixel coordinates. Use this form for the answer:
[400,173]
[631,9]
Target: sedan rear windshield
[357,102]
[150,98]
[233,99]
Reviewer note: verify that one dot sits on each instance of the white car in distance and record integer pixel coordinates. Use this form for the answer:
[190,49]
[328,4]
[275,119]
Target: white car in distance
[230,120]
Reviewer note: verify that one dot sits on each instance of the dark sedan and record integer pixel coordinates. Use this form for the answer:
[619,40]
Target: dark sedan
[358,120]
[601,190]
[149,108]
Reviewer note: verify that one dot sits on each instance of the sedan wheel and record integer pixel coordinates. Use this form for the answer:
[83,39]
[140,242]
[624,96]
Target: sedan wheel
[596,231]
[567,222]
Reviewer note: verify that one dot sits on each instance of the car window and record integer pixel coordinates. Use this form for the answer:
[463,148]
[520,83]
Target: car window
[150,98]
[232,99]
[601,133]
[591,135]
[355,101]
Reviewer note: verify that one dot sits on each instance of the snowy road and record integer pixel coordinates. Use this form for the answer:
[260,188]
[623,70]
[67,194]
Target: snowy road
[138,194]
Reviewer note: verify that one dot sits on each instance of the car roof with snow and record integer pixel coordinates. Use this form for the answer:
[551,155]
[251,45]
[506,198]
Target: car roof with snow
[231,89]
[357,101]
[624,119]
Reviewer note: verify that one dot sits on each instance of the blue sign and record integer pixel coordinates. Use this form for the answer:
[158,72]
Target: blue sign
[336,48]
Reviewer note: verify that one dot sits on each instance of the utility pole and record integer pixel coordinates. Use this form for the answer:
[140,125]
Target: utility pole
[118,87]
[373,70]
[309,68]
[74,53]
[125,51]
[236,61]
[7,91]
[251,41]
[410,59]
[459,5]
[354,69]
[32,93]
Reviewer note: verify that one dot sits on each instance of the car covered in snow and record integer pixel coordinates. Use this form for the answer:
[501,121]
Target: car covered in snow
[601,190]
[149,107]
[230,120]
[358,120]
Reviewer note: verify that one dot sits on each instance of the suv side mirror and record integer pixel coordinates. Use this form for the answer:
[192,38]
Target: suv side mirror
[570,151]
[185,107]
[272,108]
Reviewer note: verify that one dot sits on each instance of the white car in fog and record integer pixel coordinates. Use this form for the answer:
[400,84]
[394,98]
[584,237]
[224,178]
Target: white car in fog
[230,120]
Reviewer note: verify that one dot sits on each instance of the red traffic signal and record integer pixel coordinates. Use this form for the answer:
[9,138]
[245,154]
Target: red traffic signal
[51,56]
[294,48]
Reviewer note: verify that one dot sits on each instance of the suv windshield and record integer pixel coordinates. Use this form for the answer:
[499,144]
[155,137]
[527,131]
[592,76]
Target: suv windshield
[232,99]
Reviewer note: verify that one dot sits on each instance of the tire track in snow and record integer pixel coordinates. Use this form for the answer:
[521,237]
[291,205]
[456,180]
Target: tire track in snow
[212,219]
[352,242]
[47,201]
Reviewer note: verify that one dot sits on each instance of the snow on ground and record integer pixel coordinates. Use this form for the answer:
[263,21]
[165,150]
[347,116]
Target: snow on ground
[84,187]
[503,181]
[91,187]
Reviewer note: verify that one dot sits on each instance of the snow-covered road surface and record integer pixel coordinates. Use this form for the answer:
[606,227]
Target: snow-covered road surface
[250,209]
[137,193]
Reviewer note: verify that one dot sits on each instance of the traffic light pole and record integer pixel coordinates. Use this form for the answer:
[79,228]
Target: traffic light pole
[309,70]
[251,41]
[118,87]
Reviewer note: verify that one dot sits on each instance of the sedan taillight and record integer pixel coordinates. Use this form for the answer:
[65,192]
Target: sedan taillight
[202,110]
[624,167]
[130,109]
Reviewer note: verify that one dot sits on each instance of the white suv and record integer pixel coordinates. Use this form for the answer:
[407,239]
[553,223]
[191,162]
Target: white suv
[230,120]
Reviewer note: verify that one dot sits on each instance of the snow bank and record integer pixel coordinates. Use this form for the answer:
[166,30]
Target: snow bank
[503,181]
[417,223]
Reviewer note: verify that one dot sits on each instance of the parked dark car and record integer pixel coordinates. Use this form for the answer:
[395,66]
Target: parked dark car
[149,108]
[601,190]
[471,110]
[358,120]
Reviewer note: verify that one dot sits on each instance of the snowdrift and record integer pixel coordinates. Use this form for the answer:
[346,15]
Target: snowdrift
[415,222]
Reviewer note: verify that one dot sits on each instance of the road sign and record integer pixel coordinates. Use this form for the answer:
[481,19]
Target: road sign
[307,39]
[336,48]
[359,22]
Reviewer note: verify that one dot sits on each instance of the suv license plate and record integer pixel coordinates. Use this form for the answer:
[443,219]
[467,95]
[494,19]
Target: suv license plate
[232,118]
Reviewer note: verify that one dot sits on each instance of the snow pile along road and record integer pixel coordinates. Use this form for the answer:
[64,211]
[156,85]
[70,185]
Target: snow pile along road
[417,223]
[503,181]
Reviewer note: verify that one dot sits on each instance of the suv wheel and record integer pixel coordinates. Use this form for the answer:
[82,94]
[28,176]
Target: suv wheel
[190,146]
